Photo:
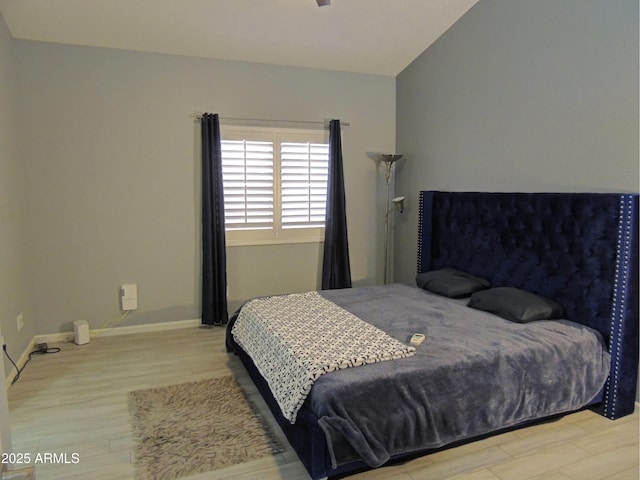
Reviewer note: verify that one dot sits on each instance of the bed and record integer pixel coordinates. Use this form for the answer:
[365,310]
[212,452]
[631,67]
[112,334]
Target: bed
[479,371]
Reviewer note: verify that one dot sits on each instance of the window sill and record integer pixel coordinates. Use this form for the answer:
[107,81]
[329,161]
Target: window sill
[273,241]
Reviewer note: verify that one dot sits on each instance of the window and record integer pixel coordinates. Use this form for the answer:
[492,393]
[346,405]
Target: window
[275,184]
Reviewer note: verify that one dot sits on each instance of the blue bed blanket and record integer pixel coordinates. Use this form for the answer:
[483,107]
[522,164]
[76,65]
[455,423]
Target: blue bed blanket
[474,374]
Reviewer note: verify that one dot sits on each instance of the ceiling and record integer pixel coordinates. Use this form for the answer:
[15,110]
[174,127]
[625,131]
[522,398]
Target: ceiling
[365,36]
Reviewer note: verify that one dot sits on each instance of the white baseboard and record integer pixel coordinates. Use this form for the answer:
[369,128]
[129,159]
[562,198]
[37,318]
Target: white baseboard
[127,330]
[109,332]
[151,327]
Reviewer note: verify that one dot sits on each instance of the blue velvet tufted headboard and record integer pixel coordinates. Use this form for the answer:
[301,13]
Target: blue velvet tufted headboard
[580,249]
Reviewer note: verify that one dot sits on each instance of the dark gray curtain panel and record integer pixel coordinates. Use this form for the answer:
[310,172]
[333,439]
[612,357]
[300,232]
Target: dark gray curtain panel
[336,271]
[214,255]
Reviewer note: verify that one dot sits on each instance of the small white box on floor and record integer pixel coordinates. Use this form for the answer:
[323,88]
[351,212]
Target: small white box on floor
[81,329]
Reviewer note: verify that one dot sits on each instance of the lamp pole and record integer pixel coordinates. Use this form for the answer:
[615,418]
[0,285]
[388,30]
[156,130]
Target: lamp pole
[389,164]
[389,159]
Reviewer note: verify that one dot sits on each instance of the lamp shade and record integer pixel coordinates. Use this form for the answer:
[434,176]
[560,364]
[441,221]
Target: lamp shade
[385,157]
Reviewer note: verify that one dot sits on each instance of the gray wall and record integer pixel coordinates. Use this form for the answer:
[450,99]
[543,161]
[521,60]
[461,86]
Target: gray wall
[520,95]
[13,283]
[107,153]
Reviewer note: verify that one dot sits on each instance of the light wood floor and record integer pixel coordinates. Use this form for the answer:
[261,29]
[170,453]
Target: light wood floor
[75,401]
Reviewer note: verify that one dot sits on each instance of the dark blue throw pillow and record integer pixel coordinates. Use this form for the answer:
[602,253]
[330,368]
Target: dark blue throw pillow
[516,305]
[451,283]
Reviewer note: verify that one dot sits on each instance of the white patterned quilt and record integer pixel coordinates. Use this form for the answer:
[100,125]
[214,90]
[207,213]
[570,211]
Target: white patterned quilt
[294,339]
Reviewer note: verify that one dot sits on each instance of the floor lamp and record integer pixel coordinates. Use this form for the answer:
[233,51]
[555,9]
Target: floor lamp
[388,159]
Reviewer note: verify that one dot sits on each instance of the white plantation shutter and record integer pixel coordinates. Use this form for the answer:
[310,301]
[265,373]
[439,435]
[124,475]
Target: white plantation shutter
[304,171]
[247,169]
[275,184]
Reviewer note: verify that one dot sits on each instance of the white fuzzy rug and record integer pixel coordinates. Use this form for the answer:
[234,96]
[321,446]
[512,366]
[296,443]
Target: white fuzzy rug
[196,427]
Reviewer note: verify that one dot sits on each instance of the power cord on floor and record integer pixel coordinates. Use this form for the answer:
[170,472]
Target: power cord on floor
[42,349]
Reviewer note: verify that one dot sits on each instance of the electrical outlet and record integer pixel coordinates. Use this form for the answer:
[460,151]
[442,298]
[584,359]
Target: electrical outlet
[20,321]
[129,296]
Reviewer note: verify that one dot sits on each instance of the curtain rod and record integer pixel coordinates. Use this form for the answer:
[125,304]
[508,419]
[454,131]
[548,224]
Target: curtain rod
[198,117]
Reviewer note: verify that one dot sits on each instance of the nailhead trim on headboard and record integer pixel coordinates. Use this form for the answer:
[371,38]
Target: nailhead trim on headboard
[420,235]
[619,303]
